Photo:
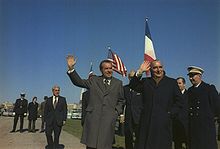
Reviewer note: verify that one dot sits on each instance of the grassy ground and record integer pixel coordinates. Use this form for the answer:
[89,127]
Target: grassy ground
[74,127]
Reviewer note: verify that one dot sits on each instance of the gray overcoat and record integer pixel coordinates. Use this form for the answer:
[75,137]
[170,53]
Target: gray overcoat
[103,108]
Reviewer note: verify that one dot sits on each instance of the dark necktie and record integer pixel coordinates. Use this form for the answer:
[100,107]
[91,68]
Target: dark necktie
[106,83]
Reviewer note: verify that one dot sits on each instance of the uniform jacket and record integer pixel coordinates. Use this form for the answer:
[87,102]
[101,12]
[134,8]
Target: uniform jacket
[203,106]
[57,115]
[160,103]
[103,108]
[20,106]
[33,111]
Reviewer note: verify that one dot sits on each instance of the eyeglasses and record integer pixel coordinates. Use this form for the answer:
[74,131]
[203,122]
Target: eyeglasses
[57,90]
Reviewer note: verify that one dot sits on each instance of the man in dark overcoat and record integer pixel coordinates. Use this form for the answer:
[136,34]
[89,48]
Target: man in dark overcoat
[106,98]
[203,107]
[55,114]
[180,123]
[161,102]
[20,109]
[133,108]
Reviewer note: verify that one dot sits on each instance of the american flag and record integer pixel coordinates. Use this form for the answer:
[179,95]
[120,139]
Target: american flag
[149,54]
[118,65]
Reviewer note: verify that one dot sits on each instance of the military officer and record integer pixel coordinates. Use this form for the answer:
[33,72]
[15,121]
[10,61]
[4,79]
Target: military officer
[20,110]
[203,105]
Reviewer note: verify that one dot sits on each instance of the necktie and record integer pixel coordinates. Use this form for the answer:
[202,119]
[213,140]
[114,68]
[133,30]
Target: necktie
[55,103]
[106,83]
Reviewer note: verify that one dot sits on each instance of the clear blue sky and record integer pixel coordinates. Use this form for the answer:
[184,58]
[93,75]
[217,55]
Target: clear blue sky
[36,36]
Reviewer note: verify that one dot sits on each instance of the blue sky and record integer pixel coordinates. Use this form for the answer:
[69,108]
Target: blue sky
[36,36]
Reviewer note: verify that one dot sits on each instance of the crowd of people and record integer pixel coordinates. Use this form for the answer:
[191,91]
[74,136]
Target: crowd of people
[158,110]
[53,111]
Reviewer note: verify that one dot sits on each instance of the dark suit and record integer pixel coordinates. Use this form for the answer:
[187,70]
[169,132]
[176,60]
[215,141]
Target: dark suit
[203,106]
[132,116]
[104,106]
[161,102]
[180,124]
[20,108]
[54,120]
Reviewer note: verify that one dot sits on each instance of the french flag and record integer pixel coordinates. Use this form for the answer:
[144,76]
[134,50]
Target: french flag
[149,54]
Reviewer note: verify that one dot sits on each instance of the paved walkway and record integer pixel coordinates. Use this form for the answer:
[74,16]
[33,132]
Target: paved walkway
[27,140]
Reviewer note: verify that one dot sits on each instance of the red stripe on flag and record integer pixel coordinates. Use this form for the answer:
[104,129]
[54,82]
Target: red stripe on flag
[117,64]
[148,58]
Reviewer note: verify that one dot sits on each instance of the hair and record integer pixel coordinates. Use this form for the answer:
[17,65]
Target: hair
[104,61]
[184,81]
[55,86]
[156,60]
[34,98]
[45,97]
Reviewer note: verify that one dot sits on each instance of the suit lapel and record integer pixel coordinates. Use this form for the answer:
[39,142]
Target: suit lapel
[112,84]
[101,84]
[51,102]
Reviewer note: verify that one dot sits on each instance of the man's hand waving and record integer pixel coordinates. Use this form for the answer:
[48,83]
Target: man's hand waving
[71,61]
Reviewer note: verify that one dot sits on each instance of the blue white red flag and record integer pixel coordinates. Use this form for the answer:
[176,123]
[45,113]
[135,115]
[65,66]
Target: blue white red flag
[149,54]
[118,65]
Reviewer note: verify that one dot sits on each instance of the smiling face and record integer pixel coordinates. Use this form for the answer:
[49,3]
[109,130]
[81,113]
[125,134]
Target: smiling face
[195,78]
[106,69]
[157,70]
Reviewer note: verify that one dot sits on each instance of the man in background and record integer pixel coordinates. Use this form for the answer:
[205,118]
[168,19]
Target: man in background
[180,123]
[20,109]
[55,114]
[133,108]
[41,109]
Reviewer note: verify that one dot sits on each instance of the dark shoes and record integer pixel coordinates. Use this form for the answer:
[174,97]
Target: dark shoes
[21,131]
[12,131]
[60,146]
[32,131]
[41,131]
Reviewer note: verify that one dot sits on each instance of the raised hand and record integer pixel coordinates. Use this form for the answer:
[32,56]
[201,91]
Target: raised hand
[144,67]
[71,61]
